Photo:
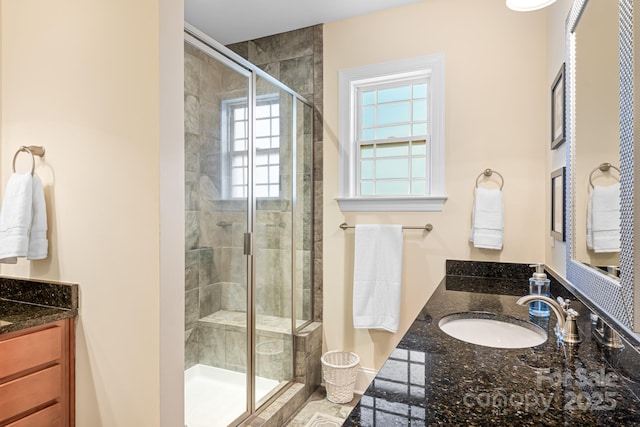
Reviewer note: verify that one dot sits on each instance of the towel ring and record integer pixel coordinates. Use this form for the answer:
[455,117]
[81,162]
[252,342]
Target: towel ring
[33,150]
[487,173]
[603,167]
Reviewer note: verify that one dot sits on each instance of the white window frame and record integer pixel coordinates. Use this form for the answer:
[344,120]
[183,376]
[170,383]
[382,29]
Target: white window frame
[350,79]
[228,153]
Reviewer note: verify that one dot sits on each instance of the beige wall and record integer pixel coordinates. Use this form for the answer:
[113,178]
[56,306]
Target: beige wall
[496,98]
[96,83]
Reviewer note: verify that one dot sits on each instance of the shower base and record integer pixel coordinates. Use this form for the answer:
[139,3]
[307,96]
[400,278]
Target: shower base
[215,397]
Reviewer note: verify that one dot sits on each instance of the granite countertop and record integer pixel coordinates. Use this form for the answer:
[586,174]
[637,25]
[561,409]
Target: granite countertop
[27,303]
[432,378]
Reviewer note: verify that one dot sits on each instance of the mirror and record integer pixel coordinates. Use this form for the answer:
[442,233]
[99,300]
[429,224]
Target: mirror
[599,118]
[596,196]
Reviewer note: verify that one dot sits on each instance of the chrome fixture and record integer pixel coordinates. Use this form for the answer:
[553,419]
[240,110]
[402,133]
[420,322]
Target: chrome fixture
[528,5]
[33,150]
[604,333]
[603,167]
[487,173]
[566,327]
[426,227]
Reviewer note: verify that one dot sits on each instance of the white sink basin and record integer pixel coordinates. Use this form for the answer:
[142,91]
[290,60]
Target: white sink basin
[491,330]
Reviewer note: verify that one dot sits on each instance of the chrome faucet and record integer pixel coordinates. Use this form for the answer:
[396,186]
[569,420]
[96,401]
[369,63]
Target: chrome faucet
[604,333]
[566,327]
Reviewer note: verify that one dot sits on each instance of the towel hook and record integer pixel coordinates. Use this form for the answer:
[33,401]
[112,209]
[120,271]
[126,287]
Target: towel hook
[487,173]
[33,150]
[603,167]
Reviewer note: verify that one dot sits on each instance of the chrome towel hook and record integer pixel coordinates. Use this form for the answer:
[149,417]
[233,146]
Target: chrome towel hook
[33,150]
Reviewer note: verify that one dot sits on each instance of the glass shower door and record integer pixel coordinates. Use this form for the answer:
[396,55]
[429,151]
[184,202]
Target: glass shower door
[218,110]
[273,178]
[248,163]
[303,213]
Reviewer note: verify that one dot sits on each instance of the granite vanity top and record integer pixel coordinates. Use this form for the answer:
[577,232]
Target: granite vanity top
[26,303]
[432,378]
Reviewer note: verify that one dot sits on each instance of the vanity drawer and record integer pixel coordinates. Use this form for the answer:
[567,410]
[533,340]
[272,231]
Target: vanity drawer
[28,392]
[50,416]
[29,351]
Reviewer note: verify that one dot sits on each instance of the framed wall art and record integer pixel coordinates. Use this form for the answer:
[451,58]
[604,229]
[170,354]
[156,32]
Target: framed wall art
[558,110]
[557,204]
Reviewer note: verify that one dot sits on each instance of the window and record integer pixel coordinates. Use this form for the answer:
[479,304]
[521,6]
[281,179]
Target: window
[267,141]
[392,136]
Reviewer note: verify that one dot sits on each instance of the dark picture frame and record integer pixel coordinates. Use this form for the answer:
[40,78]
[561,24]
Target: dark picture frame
[557,204]
[558,109]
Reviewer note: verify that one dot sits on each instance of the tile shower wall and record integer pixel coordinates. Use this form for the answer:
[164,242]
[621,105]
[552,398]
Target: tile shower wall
[295,59]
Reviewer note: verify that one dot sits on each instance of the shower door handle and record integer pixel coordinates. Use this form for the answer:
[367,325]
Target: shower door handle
[247,244]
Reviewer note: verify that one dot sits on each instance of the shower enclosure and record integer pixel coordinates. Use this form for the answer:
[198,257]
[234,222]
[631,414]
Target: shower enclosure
[248,210]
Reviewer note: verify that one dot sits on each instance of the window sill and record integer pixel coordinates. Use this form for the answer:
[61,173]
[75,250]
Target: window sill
[392,204]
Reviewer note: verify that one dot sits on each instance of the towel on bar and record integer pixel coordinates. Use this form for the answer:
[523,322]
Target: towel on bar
[23,220]
[487,219]
[377,274]
[38,243]
[15,218]
[603,219]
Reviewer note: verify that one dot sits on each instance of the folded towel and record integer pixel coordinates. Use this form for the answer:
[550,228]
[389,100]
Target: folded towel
[23,220]
[487,219]
[38,243]
[377,274]
[603,219]
[590,221]
[15,218]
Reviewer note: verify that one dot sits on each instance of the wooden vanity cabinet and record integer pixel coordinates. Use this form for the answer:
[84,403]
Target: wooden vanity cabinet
[37,376]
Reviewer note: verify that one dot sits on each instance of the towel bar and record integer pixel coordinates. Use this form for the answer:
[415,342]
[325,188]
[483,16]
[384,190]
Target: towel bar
[426,227]
[603,167]
[34,150]
[488,172]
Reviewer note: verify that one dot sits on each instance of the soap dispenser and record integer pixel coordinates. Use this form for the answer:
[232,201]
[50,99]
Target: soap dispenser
[539,285]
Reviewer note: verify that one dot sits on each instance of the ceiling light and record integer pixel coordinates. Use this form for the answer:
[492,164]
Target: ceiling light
[528,5]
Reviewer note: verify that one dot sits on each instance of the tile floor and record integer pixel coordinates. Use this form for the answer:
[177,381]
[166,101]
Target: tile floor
[318,411]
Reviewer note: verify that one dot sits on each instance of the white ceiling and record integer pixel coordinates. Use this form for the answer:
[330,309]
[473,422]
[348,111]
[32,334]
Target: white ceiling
[231,21]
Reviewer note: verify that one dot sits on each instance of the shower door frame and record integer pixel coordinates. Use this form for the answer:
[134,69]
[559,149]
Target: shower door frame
[220,52]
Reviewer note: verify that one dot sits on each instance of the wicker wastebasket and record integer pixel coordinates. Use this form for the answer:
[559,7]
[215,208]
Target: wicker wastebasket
[339,371]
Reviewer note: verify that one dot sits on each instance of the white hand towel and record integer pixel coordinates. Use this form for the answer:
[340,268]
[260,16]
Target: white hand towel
[605,218]
[377,274]
[15,218]
[589,221]
[38,243]
[487,219]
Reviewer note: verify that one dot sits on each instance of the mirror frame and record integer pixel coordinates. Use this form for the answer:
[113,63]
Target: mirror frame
[613,297]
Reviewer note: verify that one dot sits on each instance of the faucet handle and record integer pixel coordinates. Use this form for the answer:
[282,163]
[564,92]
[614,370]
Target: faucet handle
[564,303]
[572,335]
